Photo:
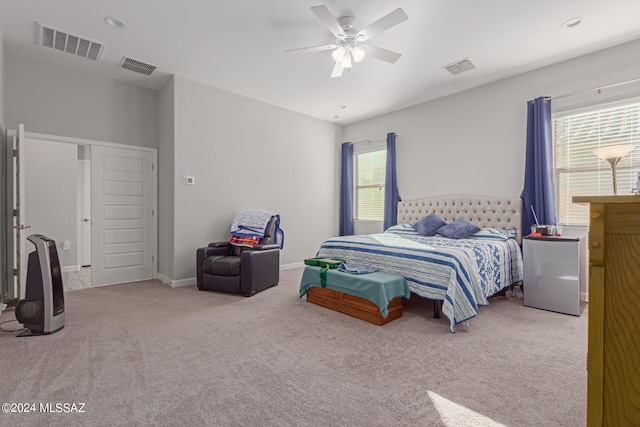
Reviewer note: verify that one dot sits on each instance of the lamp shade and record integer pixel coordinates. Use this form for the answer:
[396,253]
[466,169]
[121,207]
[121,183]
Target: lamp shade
[612,154]
[613,151]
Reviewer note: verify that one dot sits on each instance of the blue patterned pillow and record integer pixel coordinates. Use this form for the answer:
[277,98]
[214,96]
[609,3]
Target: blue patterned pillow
[458,229]
[429,225]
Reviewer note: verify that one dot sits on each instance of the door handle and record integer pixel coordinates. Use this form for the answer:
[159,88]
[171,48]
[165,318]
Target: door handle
[22,226]
[86,219]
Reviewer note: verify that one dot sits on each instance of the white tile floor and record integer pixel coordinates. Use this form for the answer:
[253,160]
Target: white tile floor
[77,279]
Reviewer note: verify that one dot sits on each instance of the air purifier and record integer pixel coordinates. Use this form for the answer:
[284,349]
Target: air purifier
[42,309]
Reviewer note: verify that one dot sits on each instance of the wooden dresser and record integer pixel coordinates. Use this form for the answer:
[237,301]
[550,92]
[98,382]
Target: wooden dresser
[613,361]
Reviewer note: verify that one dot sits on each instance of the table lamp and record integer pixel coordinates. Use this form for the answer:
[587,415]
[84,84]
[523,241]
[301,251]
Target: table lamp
[613,154]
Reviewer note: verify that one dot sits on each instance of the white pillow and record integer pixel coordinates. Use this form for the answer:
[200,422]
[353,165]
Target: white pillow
[405,229]
[493,234]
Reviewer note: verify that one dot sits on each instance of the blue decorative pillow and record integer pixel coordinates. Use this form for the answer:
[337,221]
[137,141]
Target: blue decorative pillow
[429,225]
[458,229]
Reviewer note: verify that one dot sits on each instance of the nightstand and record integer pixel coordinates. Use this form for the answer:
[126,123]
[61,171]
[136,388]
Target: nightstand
[554,277]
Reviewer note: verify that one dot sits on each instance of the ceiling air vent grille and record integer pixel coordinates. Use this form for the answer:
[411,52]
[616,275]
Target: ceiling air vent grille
[459,67]
[137,66]
[65,42]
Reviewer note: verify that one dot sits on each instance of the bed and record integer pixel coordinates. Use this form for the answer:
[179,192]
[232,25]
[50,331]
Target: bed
[459,273]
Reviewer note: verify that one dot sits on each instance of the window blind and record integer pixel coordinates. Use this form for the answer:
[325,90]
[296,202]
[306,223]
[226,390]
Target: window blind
[579,172]
[369,182]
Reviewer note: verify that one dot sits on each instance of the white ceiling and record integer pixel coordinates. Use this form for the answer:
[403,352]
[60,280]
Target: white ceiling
[239,45]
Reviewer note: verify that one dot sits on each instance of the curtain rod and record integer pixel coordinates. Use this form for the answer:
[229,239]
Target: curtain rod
[566,95]
[377,138]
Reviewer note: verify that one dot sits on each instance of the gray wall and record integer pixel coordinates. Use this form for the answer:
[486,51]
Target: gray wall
[473,142]
[58,101]
[3,197]
[247,154]
[165,180]
[287,157]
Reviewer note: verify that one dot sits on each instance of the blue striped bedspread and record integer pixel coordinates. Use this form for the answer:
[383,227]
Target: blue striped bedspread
[460,272]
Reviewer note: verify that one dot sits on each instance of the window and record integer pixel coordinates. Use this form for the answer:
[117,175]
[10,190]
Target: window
[579,172]
[369,182]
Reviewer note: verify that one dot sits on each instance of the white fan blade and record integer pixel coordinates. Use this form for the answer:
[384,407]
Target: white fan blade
[383,54]
[328,20]
[313,48]
[392,19]
[337,70]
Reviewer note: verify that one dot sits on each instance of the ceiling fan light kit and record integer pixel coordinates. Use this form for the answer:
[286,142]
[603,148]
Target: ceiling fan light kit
[348,47]
[338,54]
[358,53]
[346,61]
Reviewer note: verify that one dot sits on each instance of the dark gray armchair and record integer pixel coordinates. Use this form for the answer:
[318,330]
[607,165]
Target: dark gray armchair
[224,267]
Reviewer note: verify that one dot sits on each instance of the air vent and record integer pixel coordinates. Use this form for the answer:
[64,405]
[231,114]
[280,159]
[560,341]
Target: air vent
[137,66]
[70,43]
[460,66]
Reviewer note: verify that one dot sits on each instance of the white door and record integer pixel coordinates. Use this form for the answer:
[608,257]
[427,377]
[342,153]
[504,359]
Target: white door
[122,215]
[16,226]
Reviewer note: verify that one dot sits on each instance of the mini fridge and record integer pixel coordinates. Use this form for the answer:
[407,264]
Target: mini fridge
[555,276]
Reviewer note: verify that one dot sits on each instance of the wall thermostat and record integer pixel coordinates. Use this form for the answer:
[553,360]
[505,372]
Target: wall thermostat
[189,180]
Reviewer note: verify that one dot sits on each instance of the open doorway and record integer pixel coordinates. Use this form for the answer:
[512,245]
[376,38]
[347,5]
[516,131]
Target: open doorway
[80,277]
[97,200]
[84,205]
[58,201]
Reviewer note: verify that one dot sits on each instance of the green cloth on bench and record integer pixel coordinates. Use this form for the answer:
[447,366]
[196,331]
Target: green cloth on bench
[379,288]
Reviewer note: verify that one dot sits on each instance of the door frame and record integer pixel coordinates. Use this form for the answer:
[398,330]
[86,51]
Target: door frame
[122,215]
[92,143]
[83,176]
[15,242]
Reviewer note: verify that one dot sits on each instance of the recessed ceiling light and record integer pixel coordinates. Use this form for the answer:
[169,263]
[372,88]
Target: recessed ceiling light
[573,22]
[114,22]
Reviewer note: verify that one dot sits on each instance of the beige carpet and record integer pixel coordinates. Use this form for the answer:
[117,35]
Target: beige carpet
[145,354]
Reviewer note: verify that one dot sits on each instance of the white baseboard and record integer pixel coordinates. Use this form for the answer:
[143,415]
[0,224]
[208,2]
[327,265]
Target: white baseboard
[192,280]
[184,282]
[70,268]
[292,266]
[176,283]
[163,278]
[584,296]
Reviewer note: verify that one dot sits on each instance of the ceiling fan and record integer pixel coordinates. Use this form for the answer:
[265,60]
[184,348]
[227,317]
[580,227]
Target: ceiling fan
[349,46]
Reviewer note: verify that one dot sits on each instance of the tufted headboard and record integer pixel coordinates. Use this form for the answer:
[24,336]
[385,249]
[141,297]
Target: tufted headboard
[494,212]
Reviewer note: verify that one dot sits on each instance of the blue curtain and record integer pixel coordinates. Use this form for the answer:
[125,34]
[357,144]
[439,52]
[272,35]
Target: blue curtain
[538,189]
[346,191]
[391,195]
